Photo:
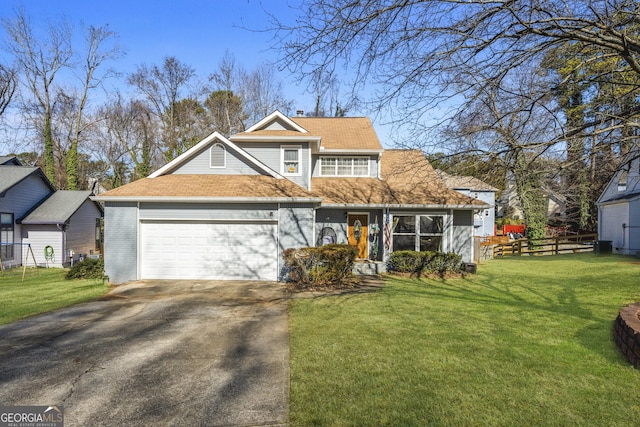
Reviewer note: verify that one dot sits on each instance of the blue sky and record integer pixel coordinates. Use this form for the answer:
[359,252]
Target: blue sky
[196,32]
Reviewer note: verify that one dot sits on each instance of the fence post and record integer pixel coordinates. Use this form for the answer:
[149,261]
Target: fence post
[557,245]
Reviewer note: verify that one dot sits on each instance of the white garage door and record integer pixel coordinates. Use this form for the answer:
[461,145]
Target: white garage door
[213,251]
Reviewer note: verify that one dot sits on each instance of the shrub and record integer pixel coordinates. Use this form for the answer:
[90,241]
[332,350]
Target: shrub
[328,265]
[427,262]
[405,261]
[88,269]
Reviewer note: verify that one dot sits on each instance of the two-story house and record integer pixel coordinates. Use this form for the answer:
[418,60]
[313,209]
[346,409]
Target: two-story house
[57,226]
[619,208]
[228,207]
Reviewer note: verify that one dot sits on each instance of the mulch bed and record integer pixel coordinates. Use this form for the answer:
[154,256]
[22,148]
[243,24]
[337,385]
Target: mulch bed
[356,285]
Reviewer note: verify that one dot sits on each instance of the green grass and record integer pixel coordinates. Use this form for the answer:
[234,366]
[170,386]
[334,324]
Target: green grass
[43,290]
[526,341]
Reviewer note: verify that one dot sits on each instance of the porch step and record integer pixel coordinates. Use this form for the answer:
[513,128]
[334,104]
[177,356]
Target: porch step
[369,267]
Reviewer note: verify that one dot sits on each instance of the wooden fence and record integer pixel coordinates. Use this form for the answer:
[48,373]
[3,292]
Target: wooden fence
[548,246]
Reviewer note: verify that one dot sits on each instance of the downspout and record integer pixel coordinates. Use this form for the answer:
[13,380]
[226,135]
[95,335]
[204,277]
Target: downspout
[63,229]
[280,252]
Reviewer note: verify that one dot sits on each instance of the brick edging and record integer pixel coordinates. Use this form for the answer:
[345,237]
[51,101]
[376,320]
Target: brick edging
[627,333]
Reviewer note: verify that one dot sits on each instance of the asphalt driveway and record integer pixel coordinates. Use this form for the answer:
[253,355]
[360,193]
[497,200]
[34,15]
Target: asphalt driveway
[186,353]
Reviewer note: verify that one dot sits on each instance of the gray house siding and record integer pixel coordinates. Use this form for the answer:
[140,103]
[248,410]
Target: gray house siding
[81,234]
[201,164]
[270,154]
[462,234]
[121,241]
[24,196]
[208,211]
[18,200]
[295,230]
[484,220]
[296,226]
[335,219]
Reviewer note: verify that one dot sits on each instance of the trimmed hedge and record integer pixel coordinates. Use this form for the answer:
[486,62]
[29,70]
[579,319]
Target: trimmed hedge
[426,262]
[322,266]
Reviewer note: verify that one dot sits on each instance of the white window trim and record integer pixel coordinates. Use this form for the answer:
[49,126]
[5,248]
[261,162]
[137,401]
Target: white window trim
[443,234]
[352,158]
[224,158]
[282,168]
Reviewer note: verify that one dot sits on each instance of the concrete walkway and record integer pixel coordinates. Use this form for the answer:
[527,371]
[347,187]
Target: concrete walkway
[187,353]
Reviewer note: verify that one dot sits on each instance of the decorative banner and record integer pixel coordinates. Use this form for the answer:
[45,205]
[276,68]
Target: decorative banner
[387,232]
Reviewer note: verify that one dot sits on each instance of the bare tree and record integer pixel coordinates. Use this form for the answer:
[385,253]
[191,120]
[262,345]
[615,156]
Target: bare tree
[39,58]
[434,60]
[263,93]
[99,48]
[226,102]
[8,84]
[416,49]
[127,140]
[163,87]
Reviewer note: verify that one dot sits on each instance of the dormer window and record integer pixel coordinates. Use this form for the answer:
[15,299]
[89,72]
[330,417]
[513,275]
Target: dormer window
[291,156]
[622,182]
[344,166]
[218,156]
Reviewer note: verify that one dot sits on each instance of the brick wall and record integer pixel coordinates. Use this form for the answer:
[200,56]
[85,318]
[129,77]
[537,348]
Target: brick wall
[627,333]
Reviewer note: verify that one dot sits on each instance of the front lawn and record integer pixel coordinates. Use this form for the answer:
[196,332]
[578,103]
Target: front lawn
[43,292]
[526,341]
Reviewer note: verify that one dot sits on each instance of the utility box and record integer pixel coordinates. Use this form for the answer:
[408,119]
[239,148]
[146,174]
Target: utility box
[602,247]
[470,267]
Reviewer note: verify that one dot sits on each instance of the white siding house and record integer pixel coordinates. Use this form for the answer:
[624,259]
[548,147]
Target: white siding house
[619,209]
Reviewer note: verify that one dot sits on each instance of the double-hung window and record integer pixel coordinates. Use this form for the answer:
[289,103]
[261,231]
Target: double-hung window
[291,160]
[6,236]
[344,166]
[418,232]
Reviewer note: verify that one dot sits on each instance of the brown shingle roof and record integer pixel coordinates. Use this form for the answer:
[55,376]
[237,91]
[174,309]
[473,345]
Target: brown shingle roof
[342,132]
[251,186]
[337,133]
[408,179]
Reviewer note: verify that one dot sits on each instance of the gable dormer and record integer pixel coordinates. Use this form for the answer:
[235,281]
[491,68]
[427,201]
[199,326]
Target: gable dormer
[283,145]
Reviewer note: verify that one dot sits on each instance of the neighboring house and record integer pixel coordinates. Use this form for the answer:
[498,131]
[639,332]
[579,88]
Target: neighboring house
[228,208]
[33,212]
[619,209]
[483,219]
[509,203]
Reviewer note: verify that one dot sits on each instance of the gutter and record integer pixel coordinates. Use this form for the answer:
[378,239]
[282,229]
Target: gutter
[403,206]
[205,199]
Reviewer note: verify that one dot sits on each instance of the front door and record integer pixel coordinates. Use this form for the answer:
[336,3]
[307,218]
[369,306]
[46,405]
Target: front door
[358,233]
